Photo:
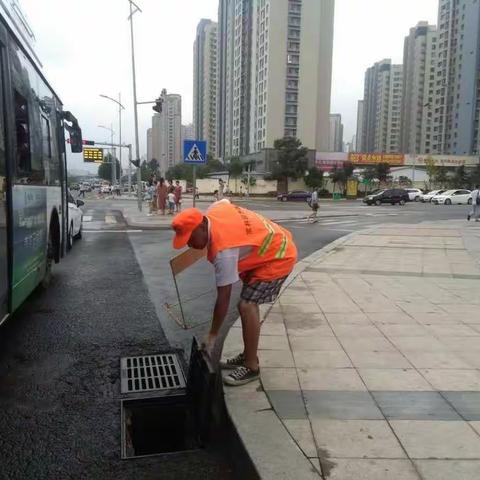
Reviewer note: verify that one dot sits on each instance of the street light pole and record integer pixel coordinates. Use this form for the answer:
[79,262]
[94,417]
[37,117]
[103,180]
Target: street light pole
[113,162]
[137,144]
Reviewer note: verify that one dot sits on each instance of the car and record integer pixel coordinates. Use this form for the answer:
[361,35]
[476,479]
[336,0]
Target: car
[75,218]
[453,197]
[427,197]
[105,189]
[390,195]
[295,195]
[414,194]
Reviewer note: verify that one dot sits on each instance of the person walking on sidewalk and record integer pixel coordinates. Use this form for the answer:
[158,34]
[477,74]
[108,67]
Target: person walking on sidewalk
[241,244]
[314,206]
[178,196]
[161,195]
[475,211]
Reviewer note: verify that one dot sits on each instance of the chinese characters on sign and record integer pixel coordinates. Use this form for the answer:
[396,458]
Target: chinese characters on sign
[373,158]
[93,155]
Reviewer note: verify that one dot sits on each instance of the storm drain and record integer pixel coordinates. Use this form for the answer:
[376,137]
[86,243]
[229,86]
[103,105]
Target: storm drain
[151,372]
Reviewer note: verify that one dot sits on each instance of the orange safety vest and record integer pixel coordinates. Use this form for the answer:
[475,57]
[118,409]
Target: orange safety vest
[273,254]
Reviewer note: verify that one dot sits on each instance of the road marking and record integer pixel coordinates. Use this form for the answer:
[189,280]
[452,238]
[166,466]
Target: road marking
[350,222]
[110,219]
[87,218]
[112,231]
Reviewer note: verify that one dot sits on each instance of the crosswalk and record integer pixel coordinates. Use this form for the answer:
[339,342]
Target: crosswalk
[103,221]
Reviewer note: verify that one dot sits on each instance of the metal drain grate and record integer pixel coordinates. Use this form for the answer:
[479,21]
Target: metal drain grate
[151,372]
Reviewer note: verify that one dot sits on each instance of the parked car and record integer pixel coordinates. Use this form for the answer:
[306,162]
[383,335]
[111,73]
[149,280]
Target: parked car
[75,217]
[453,197]
[427,197]
[390,195]
[295,195]
[414,194]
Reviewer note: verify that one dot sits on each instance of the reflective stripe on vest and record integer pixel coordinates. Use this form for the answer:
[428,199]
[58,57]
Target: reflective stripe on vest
[281,252]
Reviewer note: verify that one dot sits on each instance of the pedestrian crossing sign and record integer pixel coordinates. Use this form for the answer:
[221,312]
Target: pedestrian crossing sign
[195,152]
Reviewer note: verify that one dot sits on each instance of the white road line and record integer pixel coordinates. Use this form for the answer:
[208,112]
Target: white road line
[87,218]
[112,231]
[110,219]
[350,222]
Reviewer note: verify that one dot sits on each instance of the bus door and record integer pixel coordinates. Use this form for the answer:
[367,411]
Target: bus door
[4,277]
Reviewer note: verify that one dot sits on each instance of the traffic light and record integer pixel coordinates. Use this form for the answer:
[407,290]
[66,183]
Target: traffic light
[158,105]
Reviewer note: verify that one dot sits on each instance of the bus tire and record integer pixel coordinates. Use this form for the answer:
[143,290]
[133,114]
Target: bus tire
[70,237]
[47,277]
[78,236]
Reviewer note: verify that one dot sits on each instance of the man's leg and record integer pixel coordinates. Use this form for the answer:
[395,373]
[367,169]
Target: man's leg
[250,316]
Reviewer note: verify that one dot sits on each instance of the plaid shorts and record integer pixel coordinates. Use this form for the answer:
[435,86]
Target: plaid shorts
[262,292]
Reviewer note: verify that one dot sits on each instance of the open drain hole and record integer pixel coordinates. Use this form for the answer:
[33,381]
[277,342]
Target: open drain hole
[152,426]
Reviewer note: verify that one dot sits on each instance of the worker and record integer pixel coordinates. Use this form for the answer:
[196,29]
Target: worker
[241,244]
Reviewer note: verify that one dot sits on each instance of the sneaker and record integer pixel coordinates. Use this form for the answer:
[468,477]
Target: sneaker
[233,363]
[241,376]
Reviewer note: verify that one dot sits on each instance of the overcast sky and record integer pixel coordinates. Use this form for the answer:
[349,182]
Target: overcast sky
[85,49]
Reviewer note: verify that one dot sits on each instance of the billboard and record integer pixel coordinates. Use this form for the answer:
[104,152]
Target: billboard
[326,161]
[374,158]
[442,160]
[92,155]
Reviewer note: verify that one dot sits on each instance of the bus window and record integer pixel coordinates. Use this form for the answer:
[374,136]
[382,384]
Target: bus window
[46,138]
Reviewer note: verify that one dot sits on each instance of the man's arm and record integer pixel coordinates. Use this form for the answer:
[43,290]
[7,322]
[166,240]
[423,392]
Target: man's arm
[221,308]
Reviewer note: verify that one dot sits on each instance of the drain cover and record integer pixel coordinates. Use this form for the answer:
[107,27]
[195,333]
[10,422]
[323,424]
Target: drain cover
[151,372]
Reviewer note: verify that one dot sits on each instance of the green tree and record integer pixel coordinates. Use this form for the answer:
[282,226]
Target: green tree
[153,166]
[348,168]
[460,177]
[180,171]
[292,159]
[432,169]
[382,171]
[314,179]
[235,169]
[105,168]
[441,177]
[403,180]
[338,176]
[475,176]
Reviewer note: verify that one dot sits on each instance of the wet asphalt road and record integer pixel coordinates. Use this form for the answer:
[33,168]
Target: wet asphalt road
[59,372]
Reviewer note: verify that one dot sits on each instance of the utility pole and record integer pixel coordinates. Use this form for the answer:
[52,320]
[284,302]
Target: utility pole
[137,143]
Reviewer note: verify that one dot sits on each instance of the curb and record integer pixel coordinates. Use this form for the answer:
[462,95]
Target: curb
[273,452]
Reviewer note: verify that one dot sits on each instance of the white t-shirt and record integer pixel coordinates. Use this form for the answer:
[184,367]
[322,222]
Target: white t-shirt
[314,197]
[171,197]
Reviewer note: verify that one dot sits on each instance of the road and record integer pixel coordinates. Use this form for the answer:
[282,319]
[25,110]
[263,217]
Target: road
[59,355]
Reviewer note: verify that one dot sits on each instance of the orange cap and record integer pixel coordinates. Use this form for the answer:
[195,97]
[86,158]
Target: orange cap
[184,224]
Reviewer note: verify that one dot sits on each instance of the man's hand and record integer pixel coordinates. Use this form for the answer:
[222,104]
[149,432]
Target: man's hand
[208,343]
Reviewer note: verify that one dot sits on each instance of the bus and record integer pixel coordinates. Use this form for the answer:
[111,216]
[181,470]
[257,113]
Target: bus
[33,173]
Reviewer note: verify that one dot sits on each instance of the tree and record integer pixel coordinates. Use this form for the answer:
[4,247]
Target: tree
[292,159]
[348,168]
[382,171]
[475,176]
[153,166]
[235,169]
[180,171]
[105,168]
[403,180]
[460,177]
[314,179]
[432,169]
[337,175]
[441,177]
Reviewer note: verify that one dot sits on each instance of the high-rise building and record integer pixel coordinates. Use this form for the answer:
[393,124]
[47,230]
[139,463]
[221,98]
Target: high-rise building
[358,138]
[382,105]
[205,84]
[419,56]
[188,132]
[166,132]
[456,103]
[335,141]
[149,145]
[274,64]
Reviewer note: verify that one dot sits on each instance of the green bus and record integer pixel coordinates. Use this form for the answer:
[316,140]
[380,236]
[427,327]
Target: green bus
[33,193]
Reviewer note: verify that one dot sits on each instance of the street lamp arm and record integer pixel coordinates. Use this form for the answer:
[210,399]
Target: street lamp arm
[113,100]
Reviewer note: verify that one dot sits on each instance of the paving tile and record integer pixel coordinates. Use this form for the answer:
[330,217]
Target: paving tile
[453,330]
[399,318]
[388,360]
[436,318]
[463,308]
[470,358]
[476,426]
[325,359]
[341,405]
[316,464]
[448,469]
[306,308]
[462,344]
[417,307]
[414,406]
[273,342]
[435,439]
[279,379]
[301,431]
[269,328]
[356,331]
[394,379]
[467,404]
[408,330]
[356,438]
[364,344]
[369,469]
[432,360]
[348,319]
[457,380]
[308,330]
[274,318]
[314,343]
[346,379]
[422,344]
[288,404]
[275,358]
[301,298]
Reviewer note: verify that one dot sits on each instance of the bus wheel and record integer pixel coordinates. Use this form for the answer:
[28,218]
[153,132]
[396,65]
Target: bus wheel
[70,237]
[47,278]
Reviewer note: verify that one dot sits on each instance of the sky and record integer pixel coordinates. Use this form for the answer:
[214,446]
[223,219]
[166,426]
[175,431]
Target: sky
[84,46]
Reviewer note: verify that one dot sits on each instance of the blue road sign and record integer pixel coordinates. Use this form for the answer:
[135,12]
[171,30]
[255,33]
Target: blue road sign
[195,152]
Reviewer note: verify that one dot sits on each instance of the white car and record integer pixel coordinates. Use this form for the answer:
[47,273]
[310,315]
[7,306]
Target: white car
[453,197]
[415,194]
[427,197]
[75,217]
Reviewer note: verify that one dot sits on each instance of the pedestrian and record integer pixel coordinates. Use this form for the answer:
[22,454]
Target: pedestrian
[197,193]
[215,196]
[221,187]
[152,195]
[475,211]
[161,195]
[170,187]
[171,202]
[241,244]
[178,196]
[314,206]
[81,192]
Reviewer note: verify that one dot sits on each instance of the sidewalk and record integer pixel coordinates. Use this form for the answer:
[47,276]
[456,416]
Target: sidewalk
[143,220]
[371,361]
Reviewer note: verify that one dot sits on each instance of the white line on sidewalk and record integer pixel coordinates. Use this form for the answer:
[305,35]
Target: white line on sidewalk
[87,218]
[112,231]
